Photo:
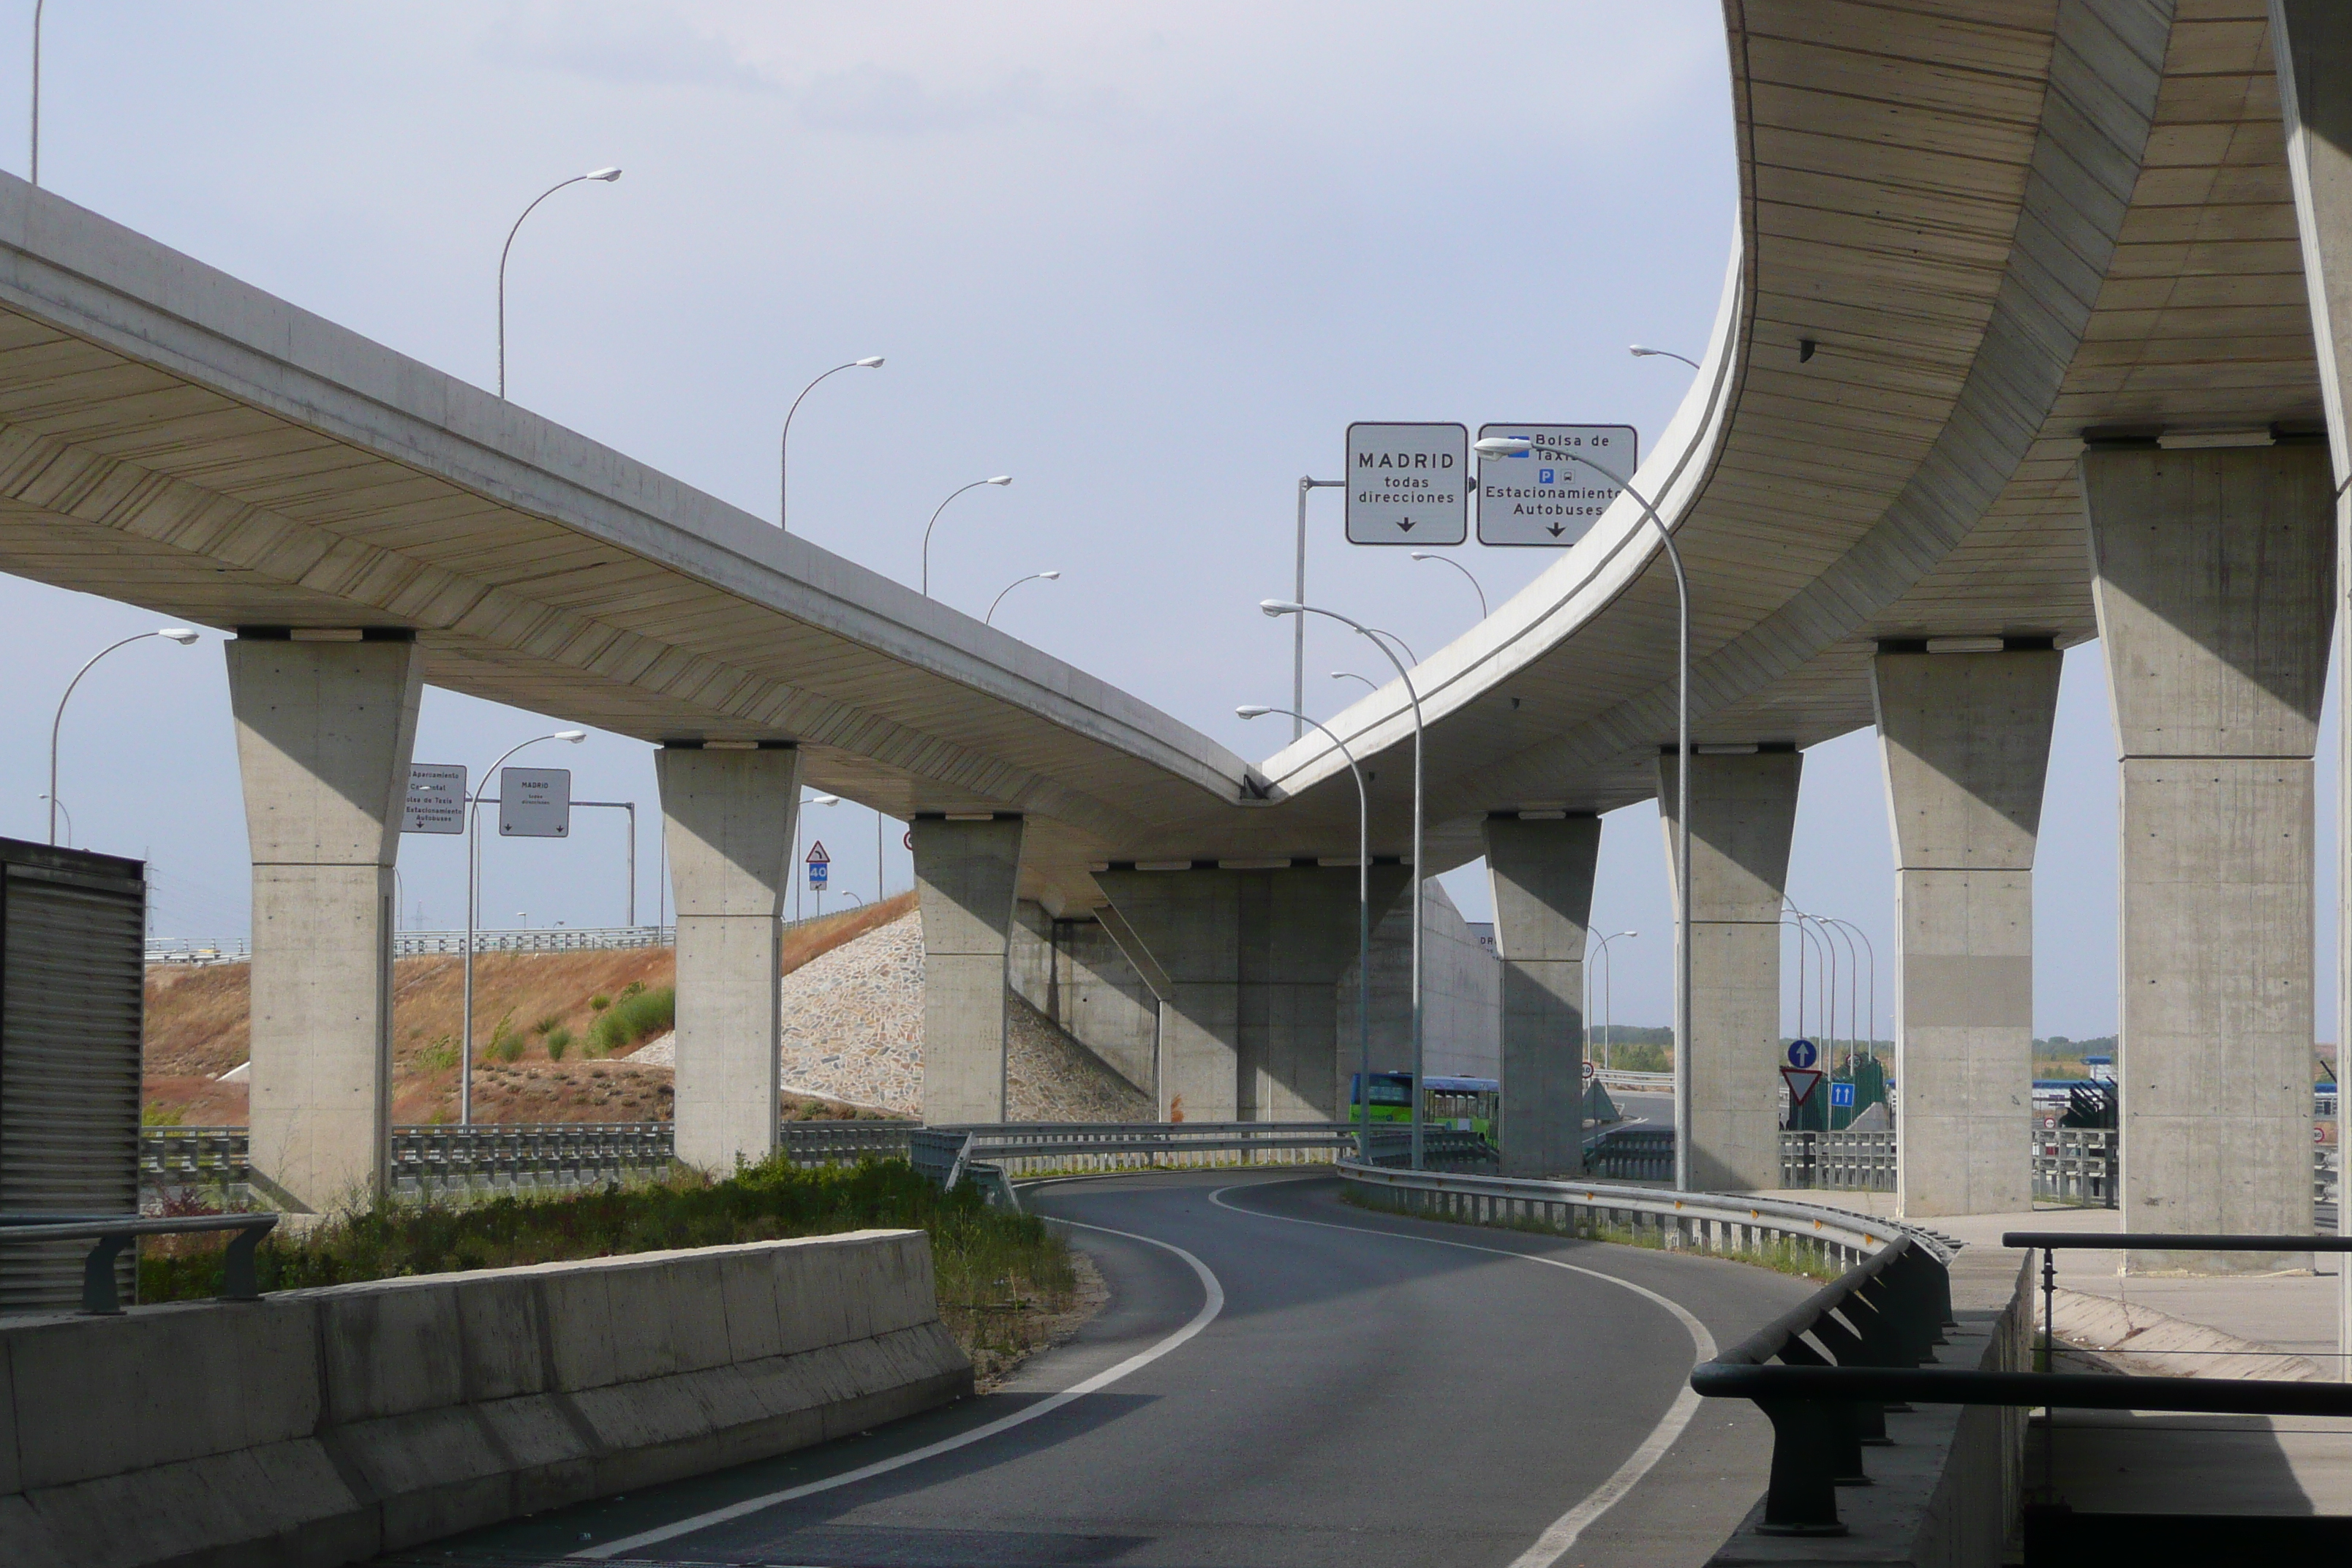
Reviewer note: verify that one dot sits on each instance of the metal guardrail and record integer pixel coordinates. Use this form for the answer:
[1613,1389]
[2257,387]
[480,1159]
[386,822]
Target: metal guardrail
[2075,1165]
[1032,1148]
[1637,1082]
[109,1234]
[1632,1155]
[416,943]
[1844,1160]
[1708,1221]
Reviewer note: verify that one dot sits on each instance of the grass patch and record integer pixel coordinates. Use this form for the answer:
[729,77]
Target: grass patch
[1782,1257]
[638,1015]
[1000,1274]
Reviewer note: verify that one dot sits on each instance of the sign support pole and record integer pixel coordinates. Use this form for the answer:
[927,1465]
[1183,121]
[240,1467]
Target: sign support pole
[1298,597]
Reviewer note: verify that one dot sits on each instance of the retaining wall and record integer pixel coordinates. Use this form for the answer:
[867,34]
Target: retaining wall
[327,1426]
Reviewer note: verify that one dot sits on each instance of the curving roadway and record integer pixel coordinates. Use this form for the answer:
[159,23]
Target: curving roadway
[1279,1378]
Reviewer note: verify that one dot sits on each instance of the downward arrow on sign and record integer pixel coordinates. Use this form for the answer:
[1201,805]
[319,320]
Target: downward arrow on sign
[1559,529]
[1406,526]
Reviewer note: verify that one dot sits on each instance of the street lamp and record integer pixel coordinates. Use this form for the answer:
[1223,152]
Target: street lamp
[472,885]
[990,620]
[784,441]
[1369,684]
[607,176]
[1475,586]
[1363,933]
[1291,607]
[180,634]
[999,479]
[1870,949]
[1607,1000]
[1516,445]
[1638,352]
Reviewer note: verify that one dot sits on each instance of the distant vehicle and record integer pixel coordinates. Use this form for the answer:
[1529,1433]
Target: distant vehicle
[1463,1104]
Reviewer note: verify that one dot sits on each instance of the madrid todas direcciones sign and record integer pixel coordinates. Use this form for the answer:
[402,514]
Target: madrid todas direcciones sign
[1408,484]
[1543,496]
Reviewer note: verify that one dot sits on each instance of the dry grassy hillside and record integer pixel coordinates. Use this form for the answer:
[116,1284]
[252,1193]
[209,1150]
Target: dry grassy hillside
[541,1007]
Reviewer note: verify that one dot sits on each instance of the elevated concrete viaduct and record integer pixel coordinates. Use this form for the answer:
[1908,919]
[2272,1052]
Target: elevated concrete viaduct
[2013,280]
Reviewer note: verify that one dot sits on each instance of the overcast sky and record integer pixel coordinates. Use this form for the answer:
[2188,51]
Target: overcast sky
[1150,259]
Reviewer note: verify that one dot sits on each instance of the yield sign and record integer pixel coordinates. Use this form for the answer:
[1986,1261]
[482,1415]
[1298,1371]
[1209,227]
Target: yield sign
[1801,1083]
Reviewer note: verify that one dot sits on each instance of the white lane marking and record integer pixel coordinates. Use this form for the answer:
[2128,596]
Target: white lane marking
[1213,1302]
[1563,1532]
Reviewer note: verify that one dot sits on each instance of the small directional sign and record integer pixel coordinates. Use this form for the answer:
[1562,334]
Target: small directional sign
[820,865]
[1546,495]
[1841,1097]
[1801,1083]
[1408,484]
[436,798]
[534,802]
[1802,1054]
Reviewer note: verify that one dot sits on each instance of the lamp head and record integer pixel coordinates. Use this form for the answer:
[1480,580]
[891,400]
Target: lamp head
[1423,555]
[1253,710]
[824,800]
[999,479]
[574,736]
[180,634]
[873,363]
[1505,446]
[607,175]
[1051,576]
[1281,607]
[1640,351]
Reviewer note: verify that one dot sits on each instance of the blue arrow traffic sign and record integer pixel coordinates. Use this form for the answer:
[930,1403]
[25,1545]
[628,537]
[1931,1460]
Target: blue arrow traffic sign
[1802,1054]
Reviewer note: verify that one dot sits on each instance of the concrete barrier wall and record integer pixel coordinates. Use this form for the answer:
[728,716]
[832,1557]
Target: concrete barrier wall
[327,1426]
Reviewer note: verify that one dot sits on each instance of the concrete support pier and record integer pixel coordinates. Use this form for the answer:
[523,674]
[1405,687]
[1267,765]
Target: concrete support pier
[967,874]
[1966,741]
[2213,572]
[1540,870]
[727,817]
[1743,811]
[1252,958]
[325,728]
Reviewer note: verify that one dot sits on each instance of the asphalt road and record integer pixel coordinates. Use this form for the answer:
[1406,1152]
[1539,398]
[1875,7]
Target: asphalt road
[1370,1392]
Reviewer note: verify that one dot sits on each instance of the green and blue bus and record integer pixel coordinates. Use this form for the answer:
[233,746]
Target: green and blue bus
[1464,1104]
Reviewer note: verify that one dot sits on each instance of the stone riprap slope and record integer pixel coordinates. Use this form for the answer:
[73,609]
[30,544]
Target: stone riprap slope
[853,1030]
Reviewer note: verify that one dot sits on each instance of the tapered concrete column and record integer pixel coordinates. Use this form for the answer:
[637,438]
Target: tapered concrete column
[324,734]
[1743,811]
[967,874]
[1249,1031]
[1966,741]
[1541,874]
[728,818]
[2212,574]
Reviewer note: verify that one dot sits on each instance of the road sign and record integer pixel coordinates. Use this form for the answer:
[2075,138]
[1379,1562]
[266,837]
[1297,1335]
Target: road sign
[1841,1097]
[1802,1054]
[820,865]
[1588,1072]
[436,798]
[1544,496]
[1801,1083]
[1408,484]
[534,802]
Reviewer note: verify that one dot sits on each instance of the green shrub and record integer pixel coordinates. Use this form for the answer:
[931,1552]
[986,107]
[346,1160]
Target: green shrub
[548,1024]
[155,1113]
[439,1055]
[505,1044]
[638,1015]
[599,1001]
[634,988]
[559,1040]
[998,1271]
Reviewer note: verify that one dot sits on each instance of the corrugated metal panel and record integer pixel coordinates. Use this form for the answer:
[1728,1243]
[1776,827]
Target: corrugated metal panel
[70,1004]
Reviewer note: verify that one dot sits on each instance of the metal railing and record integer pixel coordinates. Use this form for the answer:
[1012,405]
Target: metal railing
[1722,1222]
[1636,1082]
[1032,1148]
[111,1234]
[1842,1357]
[1632,1155]
[1844,1160]
[416,943]
[2074,1166]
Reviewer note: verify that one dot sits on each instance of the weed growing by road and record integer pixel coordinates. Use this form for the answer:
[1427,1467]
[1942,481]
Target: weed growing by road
[1000,1273]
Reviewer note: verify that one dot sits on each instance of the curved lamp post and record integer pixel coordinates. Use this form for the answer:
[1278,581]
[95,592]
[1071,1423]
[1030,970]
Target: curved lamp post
[607,176]
[1475,586]
[472,885]
[999,479]
[1369,684]
[1363,932]
[180,634]
[1640,351]
[990,620]
[1291,607]
[1514,446]
[784,441]
[1870,951]
[1608,999]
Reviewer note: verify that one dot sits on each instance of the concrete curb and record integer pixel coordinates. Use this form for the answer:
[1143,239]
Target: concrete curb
[325,1426]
